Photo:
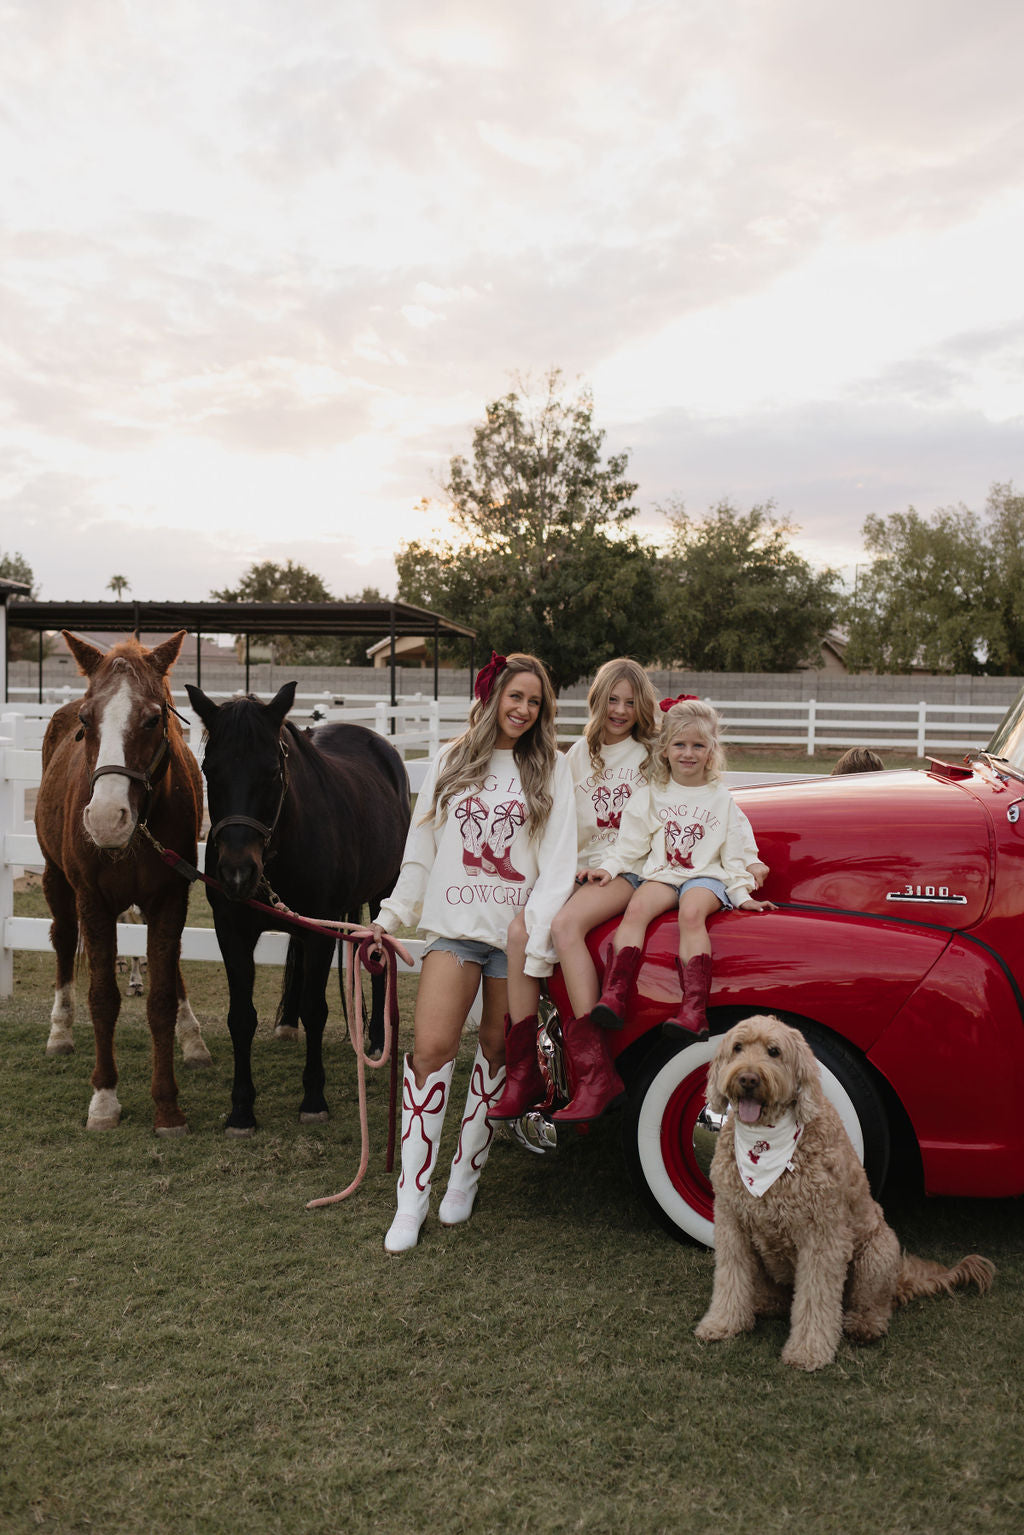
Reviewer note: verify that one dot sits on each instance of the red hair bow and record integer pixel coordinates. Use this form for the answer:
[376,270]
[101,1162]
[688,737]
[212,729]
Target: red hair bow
[488,675]
[669,703]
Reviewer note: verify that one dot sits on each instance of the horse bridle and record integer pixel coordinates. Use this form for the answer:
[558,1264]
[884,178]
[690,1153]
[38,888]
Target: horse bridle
[265,831]
[147,777]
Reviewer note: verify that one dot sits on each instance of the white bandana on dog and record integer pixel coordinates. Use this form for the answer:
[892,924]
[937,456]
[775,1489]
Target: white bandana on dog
[764,1152]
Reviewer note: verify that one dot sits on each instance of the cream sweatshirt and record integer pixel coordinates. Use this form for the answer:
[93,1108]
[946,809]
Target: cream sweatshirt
[601,797]
[467,873]
[679,833]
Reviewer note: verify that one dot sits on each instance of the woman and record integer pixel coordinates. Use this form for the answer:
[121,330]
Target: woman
[497,836]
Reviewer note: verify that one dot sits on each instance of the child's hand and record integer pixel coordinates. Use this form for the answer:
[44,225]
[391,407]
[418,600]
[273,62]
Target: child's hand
[750,905]
[758,872]
[597,877]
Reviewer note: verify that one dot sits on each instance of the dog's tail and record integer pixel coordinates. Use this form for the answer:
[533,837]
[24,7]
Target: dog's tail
[920,1276]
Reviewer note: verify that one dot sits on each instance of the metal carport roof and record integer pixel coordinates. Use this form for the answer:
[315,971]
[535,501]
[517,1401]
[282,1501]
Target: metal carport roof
[248,618]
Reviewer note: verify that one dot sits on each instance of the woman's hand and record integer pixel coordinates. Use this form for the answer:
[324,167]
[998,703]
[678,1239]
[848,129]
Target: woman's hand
[750,905]
[374,932]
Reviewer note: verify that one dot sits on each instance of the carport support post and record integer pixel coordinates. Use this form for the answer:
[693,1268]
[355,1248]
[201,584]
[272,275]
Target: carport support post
[437,647]
[394,695]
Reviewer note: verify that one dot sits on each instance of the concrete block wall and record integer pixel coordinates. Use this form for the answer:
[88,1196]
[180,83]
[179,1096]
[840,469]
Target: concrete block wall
[227,675]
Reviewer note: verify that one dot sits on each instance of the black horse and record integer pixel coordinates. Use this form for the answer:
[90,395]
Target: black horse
[321,818]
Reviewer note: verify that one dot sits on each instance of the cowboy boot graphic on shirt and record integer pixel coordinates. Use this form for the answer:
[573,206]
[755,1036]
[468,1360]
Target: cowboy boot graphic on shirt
[620,795]
[471,814]
[601,800]
[506,820]
[680,843]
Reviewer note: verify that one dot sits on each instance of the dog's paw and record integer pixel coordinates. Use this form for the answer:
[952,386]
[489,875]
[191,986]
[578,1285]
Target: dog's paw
[716,1329]
[864,1329]
[800,1357]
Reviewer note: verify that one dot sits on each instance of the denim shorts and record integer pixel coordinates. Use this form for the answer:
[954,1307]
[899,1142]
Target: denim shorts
[468,951]
[704,881]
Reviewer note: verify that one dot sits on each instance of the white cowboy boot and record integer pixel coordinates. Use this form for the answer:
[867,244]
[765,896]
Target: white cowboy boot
[422,1118]
[474,1142]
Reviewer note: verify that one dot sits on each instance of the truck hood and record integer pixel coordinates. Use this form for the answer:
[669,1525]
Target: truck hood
[909,845]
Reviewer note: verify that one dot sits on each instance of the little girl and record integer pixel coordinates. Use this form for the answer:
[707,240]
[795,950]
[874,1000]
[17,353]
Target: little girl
[608,763]
[697,844]
[497,836]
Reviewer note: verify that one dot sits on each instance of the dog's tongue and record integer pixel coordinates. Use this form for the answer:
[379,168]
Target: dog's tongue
[749,1110]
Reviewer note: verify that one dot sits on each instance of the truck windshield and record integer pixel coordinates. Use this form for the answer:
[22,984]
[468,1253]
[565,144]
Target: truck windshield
[1008,741]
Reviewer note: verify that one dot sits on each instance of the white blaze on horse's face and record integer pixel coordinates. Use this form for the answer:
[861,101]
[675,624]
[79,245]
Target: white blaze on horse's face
[109,817]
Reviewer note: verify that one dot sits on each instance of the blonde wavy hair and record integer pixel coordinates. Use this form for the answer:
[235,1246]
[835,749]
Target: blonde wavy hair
[696,715]
[468,758]
[645,699]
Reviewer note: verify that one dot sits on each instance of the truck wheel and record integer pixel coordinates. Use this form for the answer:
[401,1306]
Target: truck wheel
[669,1134]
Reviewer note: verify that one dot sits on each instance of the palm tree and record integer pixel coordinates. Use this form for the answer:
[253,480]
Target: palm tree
[117,585]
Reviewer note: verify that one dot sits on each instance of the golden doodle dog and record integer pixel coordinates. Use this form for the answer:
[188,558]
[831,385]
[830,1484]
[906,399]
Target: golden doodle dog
[795,1225]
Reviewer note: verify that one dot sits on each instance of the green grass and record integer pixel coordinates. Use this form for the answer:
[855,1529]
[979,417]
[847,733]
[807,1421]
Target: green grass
[185,1347]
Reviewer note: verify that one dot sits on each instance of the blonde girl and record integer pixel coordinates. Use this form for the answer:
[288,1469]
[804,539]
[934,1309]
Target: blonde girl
[608,763]
[496,837]
[697,851]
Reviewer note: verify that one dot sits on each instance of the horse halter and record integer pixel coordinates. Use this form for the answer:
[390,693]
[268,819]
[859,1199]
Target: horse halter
[266,832]
[147,777]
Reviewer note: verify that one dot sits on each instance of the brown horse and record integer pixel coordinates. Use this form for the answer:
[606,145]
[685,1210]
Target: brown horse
[114,762]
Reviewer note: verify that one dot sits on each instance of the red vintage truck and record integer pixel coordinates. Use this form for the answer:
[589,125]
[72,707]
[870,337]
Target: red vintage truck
[897,948]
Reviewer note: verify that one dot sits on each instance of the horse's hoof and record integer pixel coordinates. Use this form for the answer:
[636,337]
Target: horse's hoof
[171,1132]
[373,1054]
[105,1122]
[239,1132]
[315,1119]
[60,1047]
[284,1032]
[197,1060]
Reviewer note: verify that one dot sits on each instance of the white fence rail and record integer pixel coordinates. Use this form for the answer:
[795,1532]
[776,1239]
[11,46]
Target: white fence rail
[417,727]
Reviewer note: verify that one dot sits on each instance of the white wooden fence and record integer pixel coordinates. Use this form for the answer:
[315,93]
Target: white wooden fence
[417,727]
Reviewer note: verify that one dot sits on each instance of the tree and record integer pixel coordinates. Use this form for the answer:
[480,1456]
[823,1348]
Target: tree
[738,597]
[930,597]
[1005,532]
[350,649]
[117,585]
[22,644]
[269,582]
[542,559]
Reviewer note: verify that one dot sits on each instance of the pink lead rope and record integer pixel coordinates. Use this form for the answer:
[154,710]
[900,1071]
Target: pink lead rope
[365,953]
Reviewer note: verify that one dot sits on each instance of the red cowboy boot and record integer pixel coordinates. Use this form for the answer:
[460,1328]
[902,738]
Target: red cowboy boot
[505,822]
[691,1018]
[524,1084]
[471,814]
[593,1080]
[610,1010]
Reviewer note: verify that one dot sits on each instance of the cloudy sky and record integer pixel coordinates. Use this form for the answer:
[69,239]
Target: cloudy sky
[263,264]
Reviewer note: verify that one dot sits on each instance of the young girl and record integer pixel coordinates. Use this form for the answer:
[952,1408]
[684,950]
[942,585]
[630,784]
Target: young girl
[608,763]
[494,834]
[697,845]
